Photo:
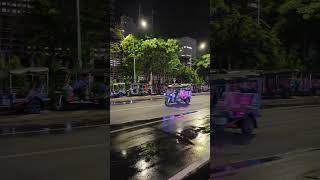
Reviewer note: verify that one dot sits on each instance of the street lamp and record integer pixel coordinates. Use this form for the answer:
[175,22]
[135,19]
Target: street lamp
[203,46]
[144,25]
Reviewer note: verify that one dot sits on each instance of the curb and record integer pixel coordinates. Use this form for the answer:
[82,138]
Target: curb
[192,169]
[35,128]
[54,121]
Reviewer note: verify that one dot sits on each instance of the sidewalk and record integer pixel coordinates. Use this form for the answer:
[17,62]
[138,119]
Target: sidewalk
[294,101]
[54,118]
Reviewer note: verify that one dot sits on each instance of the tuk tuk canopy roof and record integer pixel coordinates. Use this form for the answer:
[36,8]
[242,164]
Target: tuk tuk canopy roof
[29,70]
[179,86]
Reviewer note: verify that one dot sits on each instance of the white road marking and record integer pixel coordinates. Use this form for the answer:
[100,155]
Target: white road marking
[51,151]
[192,168]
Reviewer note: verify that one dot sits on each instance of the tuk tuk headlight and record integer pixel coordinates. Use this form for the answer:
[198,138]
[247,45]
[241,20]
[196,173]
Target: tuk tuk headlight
[164,94]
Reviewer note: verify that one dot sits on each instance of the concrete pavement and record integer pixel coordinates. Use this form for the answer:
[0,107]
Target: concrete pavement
[292,166]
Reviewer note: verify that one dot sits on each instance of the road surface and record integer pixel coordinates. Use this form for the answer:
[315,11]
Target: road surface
[178,137]
[70,154]
[284,147]
[143,110]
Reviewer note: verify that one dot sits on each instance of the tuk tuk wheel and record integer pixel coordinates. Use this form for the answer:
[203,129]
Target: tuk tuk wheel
[166,102]
[247,125]
[34,106]
[187,101]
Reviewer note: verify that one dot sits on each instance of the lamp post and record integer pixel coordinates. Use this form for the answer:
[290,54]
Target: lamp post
[79,36]
[144,24]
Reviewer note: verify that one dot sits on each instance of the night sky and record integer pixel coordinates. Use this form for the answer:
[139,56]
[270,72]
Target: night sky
[173,18]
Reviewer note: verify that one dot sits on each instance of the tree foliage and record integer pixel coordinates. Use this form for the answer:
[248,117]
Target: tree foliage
[287,36]
[53,24]
[154,55]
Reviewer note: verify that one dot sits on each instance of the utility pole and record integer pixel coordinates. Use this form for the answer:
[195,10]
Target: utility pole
[139,12]
[259,11]
[79,36]
[134,66]
[152,21]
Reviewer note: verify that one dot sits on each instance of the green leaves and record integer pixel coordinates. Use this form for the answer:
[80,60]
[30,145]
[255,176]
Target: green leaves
[156,55]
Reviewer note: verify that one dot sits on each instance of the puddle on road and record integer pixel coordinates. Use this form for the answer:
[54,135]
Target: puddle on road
[153,159]
[138,162]
[165,120]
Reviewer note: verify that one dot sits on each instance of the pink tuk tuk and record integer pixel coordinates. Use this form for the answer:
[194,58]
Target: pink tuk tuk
[240,104]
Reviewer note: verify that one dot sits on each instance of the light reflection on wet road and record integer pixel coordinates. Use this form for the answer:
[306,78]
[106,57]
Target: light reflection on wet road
[161,150]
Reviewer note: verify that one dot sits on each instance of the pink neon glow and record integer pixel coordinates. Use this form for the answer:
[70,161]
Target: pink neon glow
[183,94]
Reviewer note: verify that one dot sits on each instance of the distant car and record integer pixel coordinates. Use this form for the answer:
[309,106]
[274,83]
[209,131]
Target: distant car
[178,94]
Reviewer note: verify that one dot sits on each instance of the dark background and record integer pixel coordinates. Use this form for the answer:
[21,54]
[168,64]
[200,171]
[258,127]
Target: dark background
[172,18]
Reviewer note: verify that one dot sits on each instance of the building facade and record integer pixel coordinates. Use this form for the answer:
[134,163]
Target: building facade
[11,35]
[188,50]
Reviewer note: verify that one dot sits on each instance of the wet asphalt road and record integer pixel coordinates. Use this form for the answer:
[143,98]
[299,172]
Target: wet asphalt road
[162,149]
[263,156]
[78,154]
[143,110]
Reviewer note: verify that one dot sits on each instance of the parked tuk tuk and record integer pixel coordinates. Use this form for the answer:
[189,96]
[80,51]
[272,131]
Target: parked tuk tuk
[28,90]
[81,91]
[118,90]
[239,104]
[176,94]
[138,89]
[315,83]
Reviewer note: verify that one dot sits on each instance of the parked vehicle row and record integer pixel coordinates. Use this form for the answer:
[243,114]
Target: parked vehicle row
[287,83]
[141,89]
[27,90]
